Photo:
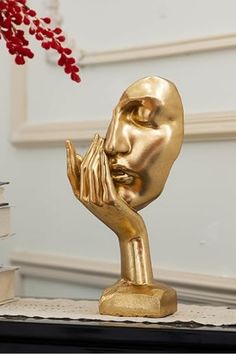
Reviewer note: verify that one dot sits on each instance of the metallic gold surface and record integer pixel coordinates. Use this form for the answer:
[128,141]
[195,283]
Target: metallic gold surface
[123,173]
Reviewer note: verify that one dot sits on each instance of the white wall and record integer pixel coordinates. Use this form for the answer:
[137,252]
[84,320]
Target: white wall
[192,225]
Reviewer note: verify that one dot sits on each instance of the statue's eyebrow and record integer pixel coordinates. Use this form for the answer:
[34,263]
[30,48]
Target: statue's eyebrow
[147,102]
[131,104]
[151,103]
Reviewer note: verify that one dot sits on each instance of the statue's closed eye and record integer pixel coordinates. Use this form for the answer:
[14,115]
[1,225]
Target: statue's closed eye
[142,112]
[144,116]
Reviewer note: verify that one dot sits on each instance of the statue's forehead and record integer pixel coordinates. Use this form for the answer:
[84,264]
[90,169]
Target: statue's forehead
[152,87]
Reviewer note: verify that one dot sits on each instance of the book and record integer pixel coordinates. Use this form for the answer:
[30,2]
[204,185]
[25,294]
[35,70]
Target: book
[2,189]
[7,284]
[5,222]
[3,183]
[7,274]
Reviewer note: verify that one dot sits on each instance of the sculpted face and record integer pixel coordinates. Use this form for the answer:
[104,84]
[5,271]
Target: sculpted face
[143,139]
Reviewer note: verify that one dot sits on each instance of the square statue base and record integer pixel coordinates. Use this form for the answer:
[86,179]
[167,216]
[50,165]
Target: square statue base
[126,299]
[7,284]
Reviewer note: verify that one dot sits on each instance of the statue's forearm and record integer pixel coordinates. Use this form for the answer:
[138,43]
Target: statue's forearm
[135,259]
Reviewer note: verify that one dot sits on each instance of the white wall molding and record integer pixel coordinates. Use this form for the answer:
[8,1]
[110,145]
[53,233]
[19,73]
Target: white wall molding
[198,127]
[210,126]
[155,51]
[184,47]
[144,52]
[190,286]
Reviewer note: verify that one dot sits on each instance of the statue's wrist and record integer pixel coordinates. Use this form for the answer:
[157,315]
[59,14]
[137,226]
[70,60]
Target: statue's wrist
[128,235]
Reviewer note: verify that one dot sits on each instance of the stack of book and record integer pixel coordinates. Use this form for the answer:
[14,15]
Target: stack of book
[7,274]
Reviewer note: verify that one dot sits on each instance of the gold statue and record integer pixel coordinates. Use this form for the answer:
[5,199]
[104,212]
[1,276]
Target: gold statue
[123,173]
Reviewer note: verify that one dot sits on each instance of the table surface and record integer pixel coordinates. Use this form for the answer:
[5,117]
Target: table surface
[22,335]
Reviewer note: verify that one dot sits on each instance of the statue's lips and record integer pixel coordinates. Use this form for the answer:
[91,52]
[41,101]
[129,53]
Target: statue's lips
[121,174]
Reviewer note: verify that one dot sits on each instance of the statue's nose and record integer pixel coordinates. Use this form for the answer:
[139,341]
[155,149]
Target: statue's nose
[117,139]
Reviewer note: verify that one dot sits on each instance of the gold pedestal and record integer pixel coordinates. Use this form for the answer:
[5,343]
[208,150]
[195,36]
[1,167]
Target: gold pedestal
[127,299]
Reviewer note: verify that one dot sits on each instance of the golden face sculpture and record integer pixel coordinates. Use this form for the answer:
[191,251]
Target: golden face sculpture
[144,138]
[121,174]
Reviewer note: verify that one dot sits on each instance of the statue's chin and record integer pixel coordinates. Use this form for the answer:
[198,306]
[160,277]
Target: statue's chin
[134,200]
[126,194]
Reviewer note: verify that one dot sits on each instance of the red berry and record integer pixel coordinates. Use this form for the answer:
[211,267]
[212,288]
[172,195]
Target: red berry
[67,51]
[61,38]
[31,31]
[39,36]
[32,13]
[19,60]
[47,20]
[67,69]
[71,61]
[75,77]
[13,14]
[46,45]
[75,69]
[57,30]
[26,21]
[62,60]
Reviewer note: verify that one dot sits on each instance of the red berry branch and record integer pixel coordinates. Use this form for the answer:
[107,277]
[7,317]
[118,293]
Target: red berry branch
[15,13]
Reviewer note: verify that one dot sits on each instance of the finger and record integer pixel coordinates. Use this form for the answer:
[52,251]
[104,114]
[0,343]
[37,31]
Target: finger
[70,153]
[105,194]
[91,167]
[72,171]
[84,180]
[98,184]
[73,156]
[108,185]
[78,161]
[94,175]
[90,151]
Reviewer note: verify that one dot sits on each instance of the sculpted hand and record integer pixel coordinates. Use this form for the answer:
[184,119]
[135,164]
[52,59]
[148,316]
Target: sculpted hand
[92,184]
[74,161]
